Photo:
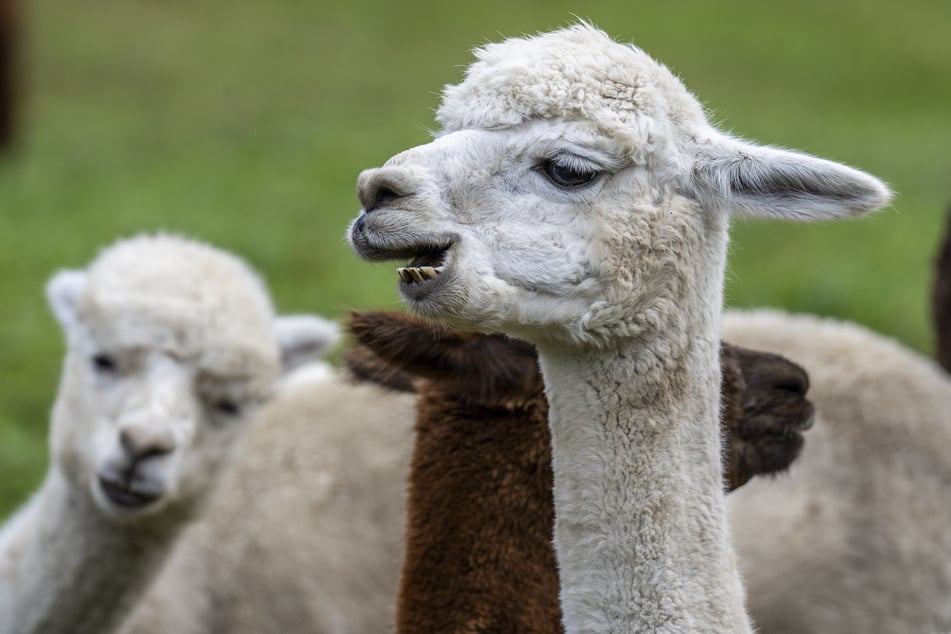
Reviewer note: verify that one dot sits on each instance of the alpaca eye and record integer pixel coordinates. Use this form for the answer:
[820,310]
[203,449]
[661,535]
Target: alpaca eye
[569,171]
[104,363]
[227,407]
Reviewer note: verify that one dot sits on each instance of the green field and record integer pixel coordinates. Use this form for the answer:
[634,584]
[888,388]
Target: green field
[245,123]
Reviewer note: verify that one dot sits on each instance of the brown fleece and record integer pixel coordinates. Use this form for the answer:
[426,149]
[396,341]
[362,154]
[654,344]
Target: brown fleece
[765,409]
[478,553]
[941,298]
[9,43]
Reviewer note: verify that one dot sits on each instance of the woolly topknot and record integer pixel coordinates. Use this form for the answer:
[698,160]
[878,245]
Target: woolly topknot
[574,73]
[171,291]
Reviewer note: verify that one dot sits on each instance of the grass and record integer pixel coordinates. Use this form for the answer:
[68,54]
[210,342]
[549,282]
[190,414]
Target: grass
[245,124]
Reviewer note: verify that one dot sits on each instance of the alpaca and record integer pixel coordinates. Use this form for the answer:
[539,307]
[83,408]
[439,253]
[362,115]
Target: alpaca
[9,45]
[171,346]
[941,298]
[305,533]
[855,538]
[480,510]
[577,197]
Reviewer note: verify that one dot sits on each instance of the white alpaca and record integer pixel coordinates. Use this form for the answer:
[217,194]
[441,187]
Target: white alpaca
[577,197]
[305,533]
[856,537]
[171,347]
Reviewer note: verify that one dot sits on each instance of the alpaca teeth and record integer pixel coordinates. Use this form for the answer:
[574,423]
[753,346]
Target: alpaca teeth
[418,274]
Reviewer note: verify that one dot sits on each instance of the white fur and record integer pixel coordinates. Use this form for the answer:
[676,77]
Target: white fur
[305,533]
[855,537]
[617,281]
[170,350]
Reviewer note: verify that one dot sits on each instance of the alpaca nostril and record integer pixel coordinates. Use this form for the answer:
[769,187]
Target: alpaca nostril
[384,195]
[378,190]
[378,196]
[796,382]
[141,442]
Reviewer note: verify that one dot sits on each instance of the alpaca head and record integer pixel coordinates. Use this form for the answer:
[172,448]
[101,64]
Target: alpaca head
[171,346]
[765,411]
[577,192]
[407,353]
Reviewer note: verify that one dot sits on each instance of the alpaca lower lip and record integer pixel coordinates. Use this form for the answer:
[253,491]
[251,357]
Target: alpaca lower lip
[125,495]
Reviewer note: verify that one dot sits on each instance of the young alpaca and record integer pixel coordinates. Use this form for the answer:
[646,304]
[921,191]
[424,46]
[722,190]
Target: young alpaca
[855,538]
[306,531]
[480,510]
[171,346]
[577,198]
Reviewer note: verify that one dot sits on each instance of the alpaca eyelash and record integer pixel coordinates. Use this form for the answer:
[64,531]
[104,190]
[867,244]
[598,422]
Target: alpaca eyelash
[569,171]
[227,407]
[104,363]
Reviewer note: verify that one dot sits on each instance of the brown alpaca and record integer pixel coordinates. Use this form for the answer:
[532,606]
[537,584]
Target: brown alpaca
[479,556]
[941,298]
[9,42]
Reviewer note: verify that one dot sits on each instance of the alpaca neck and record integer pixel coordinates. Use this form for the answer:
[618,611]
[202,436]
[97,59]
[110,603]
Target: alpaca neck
[640,528]
[65,567]
[479,492]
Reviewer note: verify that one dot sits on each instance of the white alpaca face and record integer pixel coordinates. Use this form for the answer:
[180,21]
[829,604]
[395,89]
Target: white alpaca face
[142,427]
[511,229]
[172,345]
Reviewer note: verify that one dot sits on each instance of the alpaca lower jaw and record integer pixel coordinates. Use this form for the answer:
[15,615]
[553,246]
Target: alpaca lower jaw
[123,495]
[419,283]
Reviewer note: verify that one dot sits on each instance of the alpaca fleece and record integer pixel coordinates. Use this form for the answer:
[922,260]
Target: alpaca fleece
[854,538]
[480,511]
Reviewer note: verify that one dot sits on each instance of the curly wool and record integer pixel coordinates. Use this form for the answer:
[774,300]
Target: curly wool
[575,73]
[178,293]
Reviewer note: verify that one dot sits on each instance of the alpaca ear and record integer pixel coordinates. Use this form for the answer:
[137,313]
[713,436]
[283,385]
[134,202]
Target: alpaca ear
[63,292]
[301,338]
[764,181]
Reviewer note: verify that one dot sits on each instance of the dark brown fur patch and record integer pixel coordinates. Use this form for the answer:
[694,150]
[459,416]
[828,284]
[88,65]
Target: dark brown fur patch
[367,366]
[765,411]
[941,298]
[481,368]
[9,49]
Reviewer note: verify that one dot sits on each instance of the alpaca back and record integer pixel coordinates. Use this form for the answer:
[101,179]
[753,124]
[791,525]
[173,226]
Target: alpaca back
[854,538]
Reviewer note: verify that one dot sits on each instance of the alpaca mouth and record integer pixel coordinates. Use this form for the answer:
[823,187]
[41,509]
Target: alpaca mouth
[787,431]
[424,267]
[126,494]
[427,257]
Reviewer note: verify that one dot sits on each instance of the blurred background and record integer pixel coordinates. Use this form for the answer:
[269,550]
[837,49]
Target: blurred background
[245,123]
